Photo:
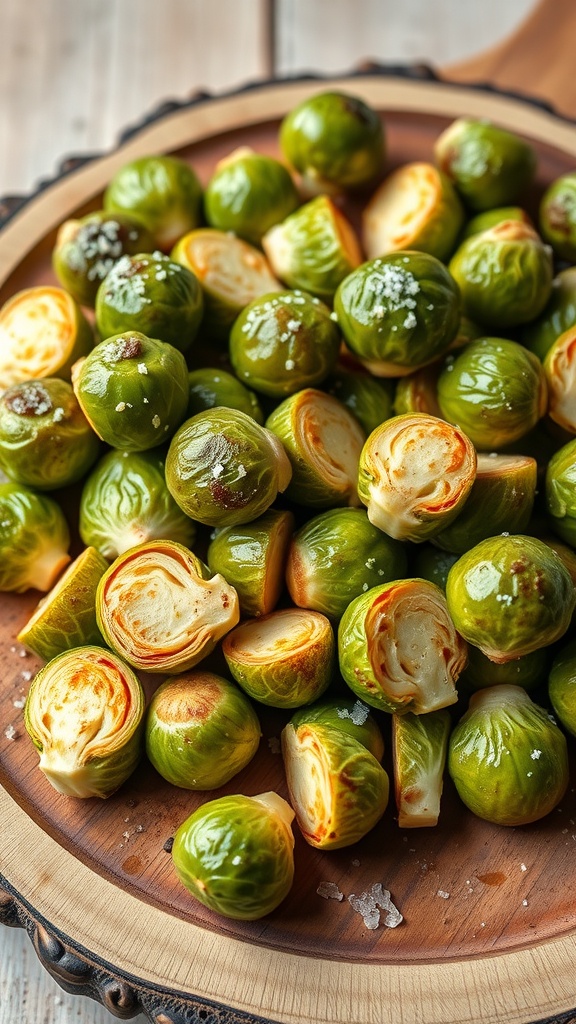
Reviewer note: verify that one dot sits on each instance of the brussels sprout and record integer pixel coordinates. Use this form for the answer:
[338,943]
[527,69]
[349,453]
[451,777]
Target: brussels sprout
[45,440]
[224,469]
[495,390]
[368,398]
[153,295]
[502,498]
[314,248]
[162,192]
[399,312]
[84,714]
[562,686]
[350,716]
[125,501]
[338,555]
[34,539]
[560,370]
[415,474]
[235,854]
[557,316]
[558,216]
[66,617]
[418,392]
[419,748]
[283,342]
[87,249]
[284,659]
[231,272]
[323,441]
[432,564]
[157,607]
[133,390]
[510,595]
[504,275]
[528,671]
[248,193]
[337,788]
[200,731]
[507,759]
[561,492]
[252,559]
[335,141]
[416,207]
[489,166]
[398,648]
[42,334]
[210,387]
[490,218]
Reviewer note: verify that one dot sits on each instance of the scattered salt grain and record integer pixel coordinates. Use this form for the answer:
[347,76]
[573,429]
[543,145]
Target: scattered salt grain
[524,903]
[523,867]
[58,414]
[355,863]
[444,895]
[536,755]
[19,702]
[121,406]
[329,891]
[142,368]
[369,904]
[156,421]
[26,675]
[274,745]
[10,733]
[358,715]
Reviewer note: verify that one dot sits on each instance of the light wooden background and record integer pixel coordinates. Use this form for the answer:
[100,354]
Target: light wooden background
[74,73]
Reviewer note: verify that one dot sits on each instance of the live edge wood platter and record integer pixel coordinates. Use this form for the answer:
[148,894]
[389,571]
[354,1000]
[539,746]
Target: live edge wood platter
[489,930]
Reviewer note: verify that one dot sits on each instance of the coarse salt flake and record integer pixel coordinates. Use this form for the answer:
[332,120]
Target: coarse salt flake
[121,407]
[156,421]
[142,368]
[329,891]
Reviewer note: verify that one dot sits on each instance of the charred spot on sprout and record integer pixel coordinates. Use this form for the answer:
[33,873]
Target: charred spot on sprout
[28,400]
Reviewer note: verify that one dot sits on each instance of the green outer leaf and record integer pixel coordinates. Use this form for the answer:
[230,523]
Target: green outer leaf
[558,315]
[248,193]
[350,716]
[252,559]
[562,686]
[34,539]
[162,191]
[210,387]
[561,492]
[420,745]
[489,165]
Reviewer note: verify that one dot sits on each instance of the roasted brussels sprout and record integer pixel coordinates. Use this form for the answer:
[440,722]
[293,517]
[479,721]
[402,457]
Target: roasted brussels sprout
[558,216]
[419,748]
[84,713]
[248,193]
[133,390]
[562,686]
[125,501]
[398,648]
[34,539]
[560,370]
[510,595]
[561,492]
[210,387]
[368,398]
[528,671]
[252,559]
[490,218]
[235,854]
[350,716]
[200,731]
[284,342]
[45,439]
[157,607]
[417,392]
[507,759]
[163,192]
[224,469]
[335,141]
[398,312]
[489,166]
[338,555]
[557,316]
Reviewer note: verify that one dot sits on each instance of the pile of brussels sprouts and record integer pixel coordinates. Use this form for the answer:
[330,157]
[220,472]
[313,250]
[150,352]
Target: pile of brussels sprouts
[339,454]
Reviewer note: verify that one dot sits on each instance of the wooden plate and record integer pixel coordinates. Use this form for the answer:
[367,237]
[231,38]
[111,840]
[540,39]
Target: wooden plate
[489,929]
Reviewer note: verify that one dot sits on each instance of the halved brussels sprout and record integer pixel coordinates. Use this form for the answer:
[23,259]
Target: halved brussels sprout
[416,207]
[284,659]
[125,501]
[415,474]
[235,854]
[210,387]
[338,555]
[490,218]
[489,166]
[431,563]
[557,316]
[34,539]
[163,192]
[133,390]
[558,216]
[560,370]
[350,716]
[87,249]
[368,398]
[66,617]
[398,648]
[323,441]
[507,759]
[510,595]
[200,731]
[42,334]
[252,559]
[248,193]
[417,392]
[314,248]
[84,713]
[528,671]
[45,439]
[335,141]
[224,469]
[561,492]
[495,390]
[338,789]
[398,312]
[283,342]
[157,607]
[419,748]
[151,294]
[562,686]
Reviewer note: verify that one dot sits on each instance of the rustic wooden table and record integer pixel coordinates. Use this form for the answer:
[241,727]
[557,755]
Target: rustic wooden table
[74,73]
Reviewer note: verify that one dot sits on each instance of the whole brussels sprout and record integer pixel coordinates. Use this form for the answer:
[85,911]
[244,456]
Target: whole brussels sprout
[210,387]
[45,439]
[153,295]
[507,759]
[350,716]
[490,218]
[489,166]
[561,492]
[235,854]
[398,312]
[368,398]
[560,370]
[284,342]
[133,390]
[510,595]
[419,749]
[562,686]
[417,392]
[248,193]
[528,671]
[557,316]
[335,141]
[558,216]
[251,557]
[162,192]
[34,539]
